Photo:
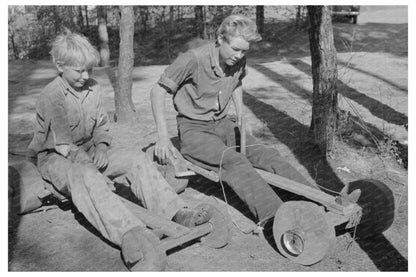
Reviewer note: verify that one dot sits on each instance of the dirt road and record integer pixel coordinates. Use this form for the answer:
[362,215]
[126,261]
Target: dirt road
[277,102]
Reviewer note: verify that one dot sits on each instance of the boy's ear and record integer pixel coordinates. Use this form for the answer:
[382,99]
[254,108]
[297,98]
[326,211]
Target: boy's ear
[220,39]
[59,66]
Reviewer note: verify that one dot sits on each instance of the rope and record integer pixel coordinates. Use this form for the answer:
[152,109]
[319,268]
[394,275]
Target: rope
[258,227]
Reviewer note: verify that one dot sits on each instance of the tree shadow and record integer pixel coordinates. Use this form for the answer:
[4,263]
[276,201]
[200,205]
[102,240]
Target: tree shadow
[388,82]
[374,106]
[293,134]
[14,207]
[383,254]
[290,132]
[285,82]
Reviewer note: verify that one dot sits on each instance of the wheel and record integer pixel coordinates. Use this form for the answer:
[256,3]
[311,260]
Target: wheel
[141,251]
[168,172]
[220,234]
[302,233]
[377,203]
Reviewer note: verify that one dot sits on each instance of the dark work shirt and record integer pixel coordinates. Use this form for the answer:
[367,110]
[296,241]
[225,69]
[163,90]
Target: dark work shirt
[201,90]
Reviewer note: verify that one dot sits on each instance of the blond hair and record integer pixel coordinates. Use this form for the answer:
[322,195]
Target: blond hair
[238,26]
[74,50]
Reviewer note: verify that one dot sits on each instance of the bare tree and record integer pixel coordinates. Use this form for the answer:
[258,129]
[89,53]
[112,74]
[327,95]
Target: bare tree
[103,35]
[260,18]
[80,17]
[86,17]
[199,20]
[325,75]
[125,111]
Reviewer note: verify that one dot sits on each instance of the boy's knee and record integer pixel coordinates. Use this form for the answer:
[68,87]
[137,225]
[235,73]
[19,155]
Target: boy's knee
[84,174]
[234,159]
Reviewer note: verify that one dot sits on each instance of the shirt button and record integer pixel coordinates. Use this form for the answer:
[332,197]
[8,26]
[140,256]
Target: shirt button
[220,92]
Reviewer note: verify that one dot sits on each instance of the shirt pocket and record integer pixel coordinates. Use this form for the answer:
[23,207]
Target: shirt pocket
[74,120]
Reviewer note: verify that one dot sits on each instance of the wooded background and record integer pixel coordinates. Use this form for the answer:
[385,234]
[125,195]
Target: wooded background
[160,32]
[157,34]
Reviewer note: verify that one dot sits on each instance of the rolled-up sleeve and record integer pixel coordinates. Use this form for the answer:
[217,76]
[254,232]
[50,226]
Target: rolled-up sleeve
[179,71]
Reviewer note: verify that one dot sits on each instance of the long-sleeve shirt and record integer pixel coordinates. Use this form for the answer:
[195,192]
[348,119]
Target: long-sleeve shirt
[68,117]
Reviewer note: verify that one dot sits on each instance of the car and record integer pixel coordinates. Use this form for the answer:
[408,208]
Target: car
[350,12]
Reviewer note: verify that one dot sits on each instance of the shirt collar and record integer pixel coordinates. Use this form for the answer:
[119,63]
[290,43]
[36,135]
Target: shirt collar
[214,60]
[67,88]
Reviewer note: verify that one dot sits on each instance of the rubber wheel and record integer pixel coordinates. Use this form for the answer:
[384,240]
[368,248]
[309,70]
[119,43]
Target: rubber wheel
[168,172]
[302,233]
[378,206]
[220,234]
[141,251]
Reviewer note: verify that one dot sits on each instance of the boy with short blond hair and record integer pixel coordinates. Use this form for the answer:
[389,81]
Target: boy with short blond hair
[202,82]
[76,157]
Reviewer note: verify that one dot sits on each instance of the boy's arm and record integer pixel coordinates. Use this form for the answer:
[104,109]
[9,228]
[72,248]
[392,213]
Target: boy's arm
[101,133]
[101,136]
[163,147]
[177,73]
[56,117]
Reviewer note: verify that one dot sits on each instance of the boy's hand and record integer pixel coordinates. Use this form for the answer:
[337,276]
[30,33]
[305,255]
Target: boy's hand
[100,157]
[164,149]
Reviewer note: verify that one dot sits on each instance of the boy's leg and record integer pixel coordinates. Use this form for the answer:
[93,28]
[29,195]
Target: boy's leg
[134,168]
[91,195]
[262,157]
[206,149]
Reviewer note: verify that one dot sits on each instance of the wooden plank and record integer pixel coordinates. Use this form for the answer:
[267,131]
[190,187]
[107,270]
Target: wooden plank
[243,136]
[180,166]
[196,232]
[304,190]
[167,227]
[211,175]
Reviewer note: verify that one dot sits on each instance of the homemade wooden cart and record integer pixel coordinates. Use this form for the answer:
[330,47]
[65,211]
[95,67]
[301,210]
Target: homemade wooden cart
[305,231]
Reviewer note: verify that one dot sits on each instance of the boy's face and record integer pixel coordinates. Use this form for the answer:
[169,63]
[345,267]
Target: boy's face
[74,75]
[232,51]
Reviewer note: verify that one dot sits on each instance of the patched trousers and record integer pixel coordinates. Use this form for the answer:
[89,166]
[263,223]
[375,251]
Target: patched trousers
[211,143]
[94,199]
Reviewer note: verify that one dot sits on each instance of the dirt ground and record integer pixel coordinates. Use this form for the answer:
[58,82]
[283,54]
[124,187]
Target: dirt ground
[373,86]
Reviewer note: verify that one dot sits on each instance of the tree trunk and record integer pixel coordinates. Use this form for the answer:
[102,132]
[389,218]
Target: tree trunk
[103,36]
[12,41]
[179,13]
[205,12]
[86,17]
[199,21]
[171,14]
[324,73]
[260,19]
[80,18]
[298,17]
[123,99]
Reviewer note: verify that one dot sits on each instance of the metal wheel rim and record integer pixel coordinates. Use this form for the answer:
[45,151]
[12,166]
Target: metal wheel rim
[293,242]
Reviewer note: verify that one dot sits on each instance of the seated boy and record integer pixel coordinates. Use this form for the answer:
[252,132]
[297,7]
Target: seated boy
[203,81]
[75,155]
